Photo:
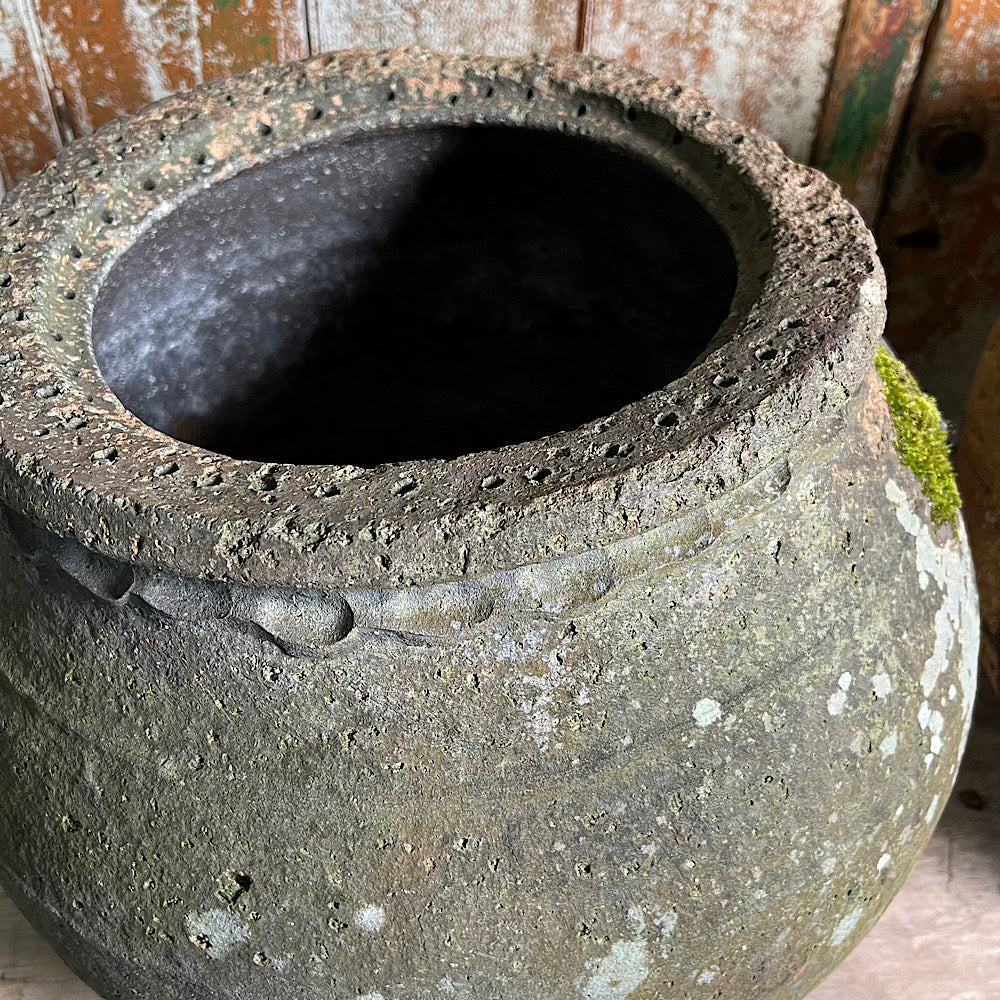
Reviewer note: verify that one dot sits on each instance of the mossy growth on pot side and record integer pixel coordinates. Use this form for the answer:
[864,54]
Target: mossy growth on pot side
[921,440]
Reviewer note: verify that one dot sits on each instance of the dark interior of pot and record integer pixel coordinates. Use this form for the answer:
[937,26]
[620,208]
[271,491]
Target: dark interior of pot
[412,294]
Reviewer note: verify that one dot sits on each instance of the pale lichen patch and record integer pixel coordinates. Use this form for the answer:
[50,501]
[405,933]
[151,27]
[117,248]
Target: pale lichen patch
[707,975]
[623,970]
[836,702]
[947,563]
[881,685]
[370,918]
[215,931]
[707,711]
[843,930]
[932,809]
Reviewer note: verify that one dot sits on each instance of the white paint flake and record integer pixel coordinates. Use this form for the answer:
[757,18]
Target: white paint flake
[881,685]
[888,746]
[845,681]
[883,862]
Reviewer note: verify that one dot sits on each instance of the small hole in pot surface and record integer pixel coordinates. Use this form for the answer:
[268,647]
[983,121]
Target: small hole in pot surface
[412,294]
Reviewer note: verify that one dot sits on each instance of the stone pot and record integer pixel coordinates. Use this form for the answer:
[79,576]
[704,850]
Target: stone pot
[564,623]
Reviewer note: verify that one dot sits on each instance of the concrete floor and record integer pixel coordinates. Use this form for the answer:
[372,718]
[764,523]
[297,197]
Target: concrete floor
[939,939]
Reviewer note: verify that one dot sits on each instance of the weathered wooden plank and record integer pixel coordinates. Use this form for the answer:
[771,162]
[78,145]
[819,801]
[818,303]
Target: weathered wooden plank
[940,231]
[502,27]
[111,57]
[870,86]
[236,35]
[764,62]
[28,132]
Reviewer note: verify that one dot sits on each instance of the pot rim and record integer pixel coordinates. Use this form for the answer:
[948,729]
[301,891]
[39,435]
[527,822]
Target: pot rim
[806,316]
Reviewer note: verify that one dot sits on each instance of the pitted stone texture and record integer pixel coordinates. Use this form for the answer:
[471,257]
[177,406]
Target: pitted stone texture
[643,791]
[662,705]
[807,311]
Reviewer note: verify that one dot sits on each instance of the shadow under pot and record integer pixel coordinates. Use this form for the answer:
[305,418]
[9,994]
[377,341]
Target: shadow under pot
[454,540]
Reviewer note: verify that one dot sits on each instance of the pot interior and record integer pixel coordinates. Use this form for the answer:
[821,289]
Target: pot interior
[412,294]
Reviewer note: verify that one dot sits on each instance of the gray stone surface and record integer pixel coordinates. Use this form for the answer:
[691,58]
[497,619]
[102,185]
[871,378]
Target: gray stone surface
[676,716]
[938,940]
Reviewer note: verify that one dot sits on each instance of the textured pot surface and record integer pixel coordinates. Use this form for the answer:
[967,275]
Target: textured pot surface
[564,623]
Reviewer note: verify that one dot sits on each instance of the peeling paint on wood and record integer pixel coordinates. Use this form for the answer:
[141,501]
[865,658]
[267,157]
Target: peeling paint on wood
[28,133]
[765,62]
[940,232]
[235,36]
[873,76]
[112,58]
[502,27]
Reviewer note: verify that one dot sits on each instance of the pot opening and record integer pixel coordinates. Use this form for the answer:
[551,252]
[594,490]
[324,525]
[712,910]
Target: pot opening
[412,294]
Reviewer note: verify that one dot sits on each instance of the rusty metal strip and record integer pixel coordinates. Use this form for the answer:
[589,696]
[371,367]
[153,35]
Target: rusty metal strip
[876,66]
[28,131]
[940,230]
[502,27]
[765,62]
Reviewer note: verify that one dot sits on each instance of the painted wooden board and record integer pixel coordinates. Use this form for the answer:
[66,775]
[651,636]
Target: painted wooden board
[28,133]
[764,62]
[499,27]
[940,230]
[873,76]
[111,57]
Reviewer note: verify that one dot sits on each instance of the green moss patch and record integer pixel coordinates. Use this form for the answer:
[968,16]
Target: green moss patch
[921,440]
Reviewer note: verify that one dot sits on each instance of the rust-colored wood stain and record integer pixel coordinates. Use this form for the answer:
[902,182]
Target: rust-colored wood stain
[939,234]
[28,132]
[111,57]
